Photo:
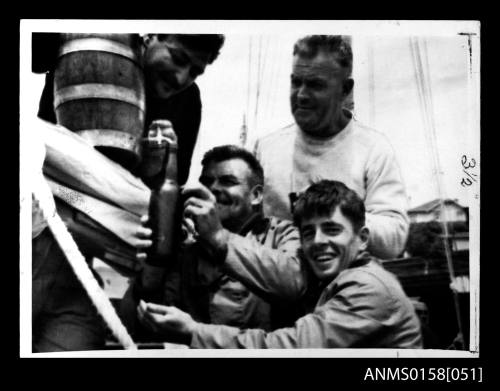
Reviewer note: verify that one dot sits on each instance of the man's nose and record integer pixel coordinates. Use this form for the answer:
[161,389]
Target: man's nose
[319,237]
[302,93]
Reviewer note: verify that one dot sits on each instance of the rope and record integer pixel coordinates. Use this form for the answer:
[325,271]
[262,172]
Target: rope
[79,265]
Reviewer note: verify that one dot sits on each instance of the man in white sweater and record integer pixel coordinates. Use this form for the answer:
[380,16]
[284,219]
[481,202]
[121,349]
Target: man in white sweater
[325,142]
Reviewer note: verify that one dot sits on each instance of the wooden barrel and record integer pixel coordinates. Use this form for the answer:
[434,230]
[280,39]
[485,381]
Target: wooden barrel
[99,92]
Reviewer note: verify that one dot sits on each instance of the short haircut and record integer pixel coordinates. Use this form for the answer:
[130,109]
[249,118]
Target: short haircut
[205,43]
[323,197]
[228,152]
[310,45]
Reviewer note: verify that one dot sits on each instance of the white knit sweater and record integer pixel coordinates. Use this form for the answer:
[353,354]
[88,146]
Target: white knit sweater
[359,156]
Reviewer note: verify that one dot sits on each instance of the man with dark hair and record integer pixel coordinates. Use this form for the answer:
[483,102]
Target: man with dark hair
[227,152]
[171,63]
[352,301]
[325,142]
[232,235]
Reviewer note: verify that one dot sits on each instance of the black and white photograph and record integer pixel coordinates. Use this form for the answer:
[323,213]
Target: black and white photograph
[249,188]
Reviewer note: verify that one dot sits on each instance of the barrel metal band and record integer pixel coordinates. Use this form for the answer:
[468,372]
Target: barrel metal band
[110,138]
[99,91]
[97,44]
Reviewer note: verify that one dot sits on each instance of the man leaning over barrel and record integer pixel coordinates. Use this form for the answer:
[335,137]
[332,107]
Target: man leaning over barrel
[171,63]
[63,317]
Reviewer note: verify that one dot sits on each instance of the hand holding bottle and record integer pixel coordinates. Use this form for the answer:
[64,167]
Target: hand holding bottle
[156,145]
[161,132]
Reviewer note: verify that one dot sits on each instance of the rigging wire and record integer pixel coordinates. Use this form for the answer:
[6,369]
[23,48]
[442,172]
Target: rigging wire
[259,62]
[262,80]
[269,81]
[371,81]
[264,43]
[244,126]
[422,75]
[249,75]
[273,90]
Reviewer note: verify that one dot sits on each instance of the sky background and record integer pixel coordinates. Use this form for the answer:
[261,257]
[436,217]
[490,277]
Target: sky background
[250,82]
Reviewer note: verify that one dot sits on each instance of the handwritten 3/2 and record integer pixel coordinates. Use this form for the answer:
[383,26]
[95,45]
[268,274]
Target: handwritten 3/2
[468,167]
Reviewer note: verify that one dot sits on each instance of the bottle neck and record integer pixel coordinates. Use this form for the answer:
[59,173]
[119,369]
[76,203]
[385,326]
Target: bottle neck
[171,167]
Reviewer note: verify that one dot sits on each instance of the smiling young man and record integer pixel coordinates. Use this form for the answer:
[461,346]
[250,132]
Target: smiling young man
[352,301]
[325,142]
[232,237]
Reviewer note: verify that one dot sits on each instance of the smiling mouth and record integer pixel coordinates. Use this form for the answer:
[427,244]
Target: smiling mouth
[324,257]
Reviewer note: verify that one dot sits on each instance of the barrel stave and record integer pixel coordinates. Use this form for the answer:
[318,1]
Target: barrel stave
[99,92]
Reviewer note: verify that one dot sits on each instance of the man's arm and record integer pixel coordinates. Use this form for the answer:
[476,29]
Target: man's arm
[44,53]
[386,203]
[338,323]
[190,126]
[183,110]
[44,48]
[358,314]
[153,284]
[156,283]
[273,268]
[317,330]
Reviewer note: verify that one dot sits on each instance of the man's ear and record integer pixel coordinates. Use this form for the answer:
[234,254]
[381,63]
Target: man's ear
[347,86]
[257,195]
[364,236]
